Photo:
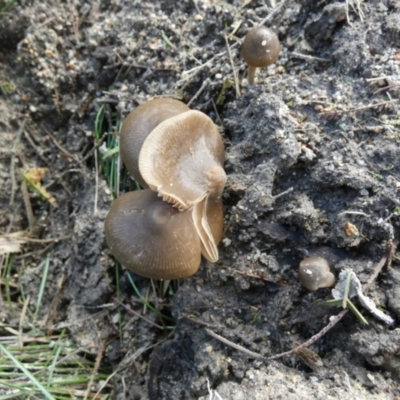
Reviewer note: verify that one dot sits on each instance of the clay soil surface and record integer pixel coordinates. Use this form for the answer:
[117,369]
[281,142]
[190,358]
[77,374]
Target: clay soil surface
[312,158]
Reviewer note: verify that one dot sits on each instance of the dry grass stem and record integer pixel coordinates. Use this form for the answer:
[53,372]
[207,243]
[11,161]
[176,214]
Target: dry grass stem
[235,75]
[242,349]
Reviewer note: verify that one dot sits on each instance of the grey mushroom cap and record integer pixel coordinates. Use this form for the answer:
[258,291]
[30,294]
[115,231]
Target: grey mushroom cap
[314,274]
[260,47]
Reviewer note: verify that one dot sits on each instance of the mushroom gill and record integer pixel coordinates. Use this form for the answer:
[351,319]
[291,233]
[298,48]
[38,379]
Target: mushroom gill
[151,237]
[208,219]
[137,126]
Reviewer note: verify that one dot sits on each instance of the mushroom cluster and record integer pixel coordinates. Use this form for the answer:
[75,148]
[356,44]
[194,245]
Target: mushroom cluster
[177,155]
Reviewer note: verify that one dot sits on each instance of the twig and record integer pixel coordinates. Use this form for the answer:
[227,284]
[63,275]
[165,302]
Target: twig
[386,259]
[235,346]
[196,321]
[95,369]
[33,240]
[216,112]
[35,252]
[388,87]
[308,57]
[383,103]
[130,311]
[28,206]
[278,11]
[13,160]
[95,147]
[314,338]
[199,92]
[61,148]
[354,213]
[283,193]
[96,191]
[36,148]
[21,321]
[235,75]
[262,278]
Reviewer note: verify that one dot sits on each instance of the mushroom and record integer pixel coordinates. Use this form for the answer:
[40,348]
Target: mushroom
[151,237]
[260,48]
[314,274]
[137,126]
[182,160]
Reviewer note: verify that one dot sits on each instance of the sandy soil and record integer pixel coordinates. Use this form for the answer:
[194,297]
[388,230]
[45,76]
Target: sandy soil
[312,148]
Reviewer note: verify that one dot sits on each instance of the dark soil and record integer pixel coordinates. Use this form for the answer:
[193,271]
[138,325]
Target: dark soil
[315,145]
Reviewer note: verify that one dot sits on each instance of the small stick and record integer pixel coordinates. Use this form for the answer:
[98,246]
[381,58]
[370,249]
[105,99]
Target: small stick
[235,346]
[33,240]
[95,370]
[277,11]
[235,76]
[388,258]
[13,160]
[314,338]
[383,103]
[21,321]
[308,57]
[199,92]
[283,193]
[61,148]
[253,276]
[354,213]
[28,206]
[136,314]
[378,78]
[96,191]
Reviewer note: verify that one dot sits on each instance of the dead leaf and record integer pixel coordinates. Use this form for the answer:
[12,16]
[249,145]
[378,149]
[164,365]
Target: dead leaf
[11,243]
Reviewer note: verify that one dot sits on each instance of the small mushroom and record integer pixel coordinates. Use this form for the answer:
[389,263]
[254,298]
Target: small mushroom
[151,237]
[137,126]
[182,160]
[314,274]
[260,48]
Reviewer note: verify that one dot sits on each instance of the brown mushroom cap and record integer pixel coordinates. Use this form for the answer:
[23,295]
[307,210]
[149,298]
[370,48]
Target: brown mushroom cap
[182,159]
[137,126]
[151,237]
[314,273]
[260,47]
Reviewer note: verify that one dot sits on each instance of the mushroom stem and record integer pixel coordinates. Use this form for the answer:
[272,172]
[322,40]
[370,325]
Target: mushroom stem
[251,75]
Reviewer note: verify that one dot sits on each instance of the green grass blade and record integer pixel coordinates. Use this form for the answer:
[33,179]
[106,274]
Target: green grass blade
[110,152]
[45,393]
[148,305]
